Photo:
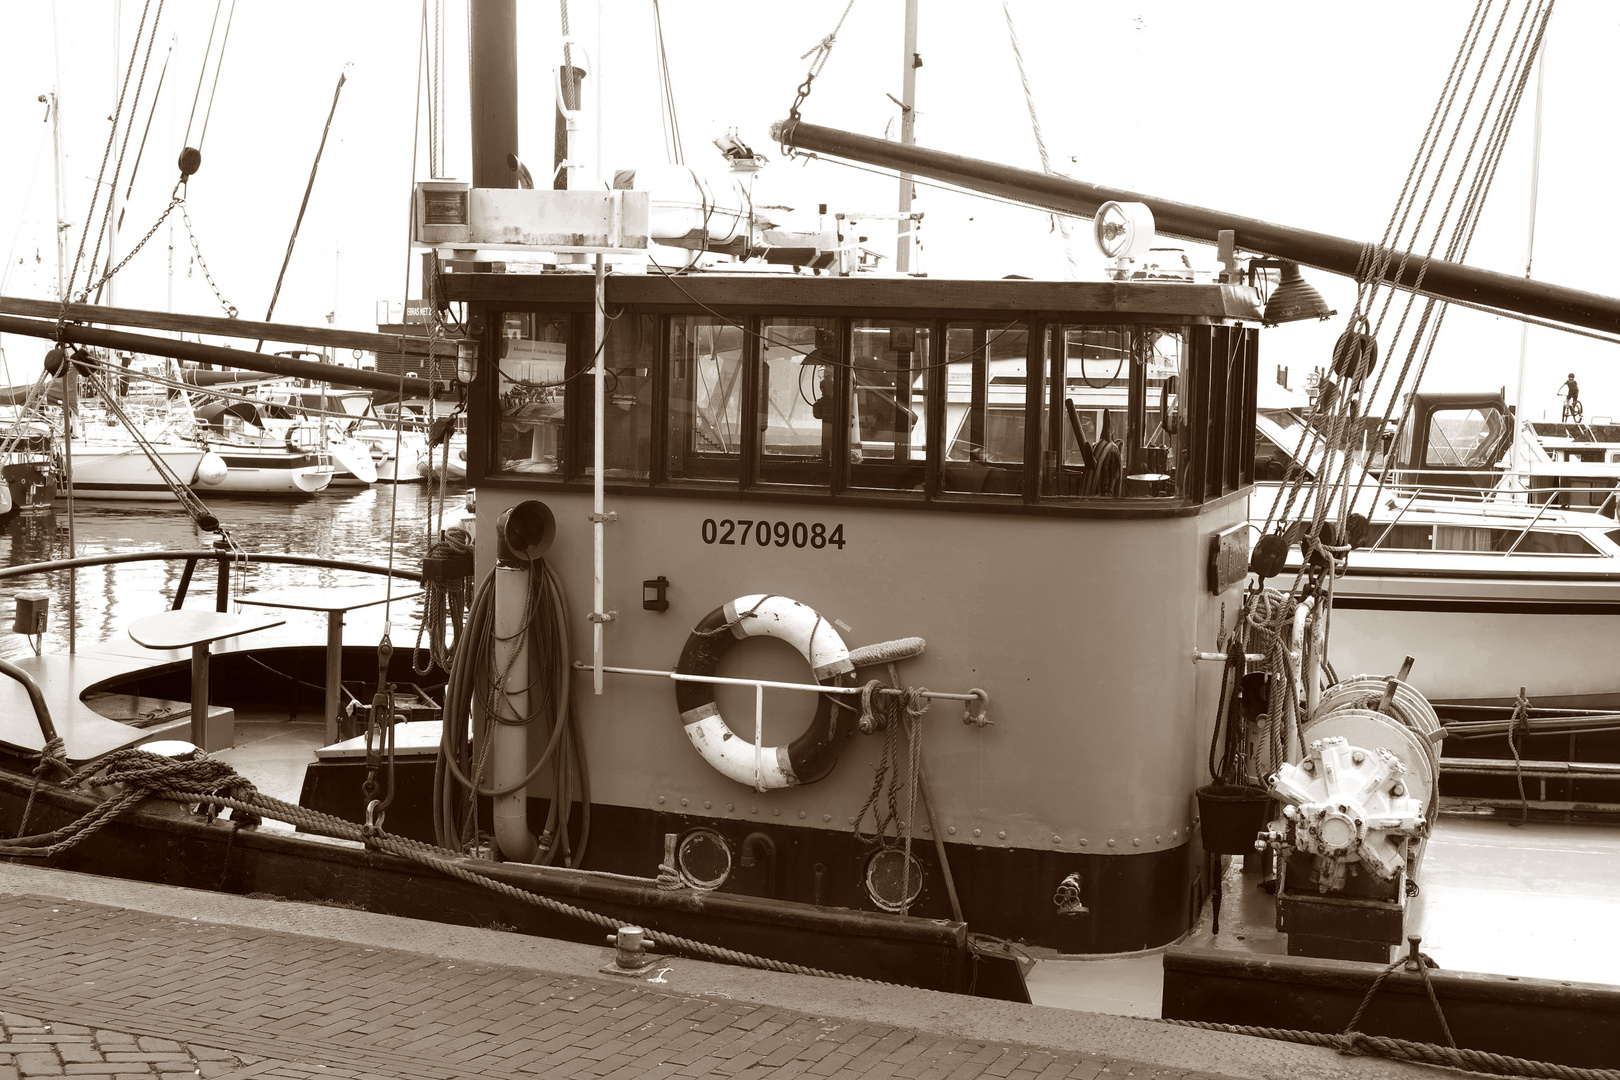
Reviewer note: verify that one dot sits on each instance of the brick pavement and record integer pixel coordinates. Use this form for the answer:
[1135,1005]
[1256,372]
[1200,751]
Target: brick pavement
[95,991]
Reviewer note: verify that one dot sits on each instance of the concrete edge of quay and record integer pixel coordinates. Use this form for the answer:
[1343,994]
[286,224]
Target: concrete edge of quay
[1146,1041]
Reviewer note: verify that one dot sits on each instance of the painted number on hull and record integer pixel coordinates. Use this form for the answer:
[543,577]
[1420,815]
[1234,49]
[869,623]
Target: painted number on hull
[745,531]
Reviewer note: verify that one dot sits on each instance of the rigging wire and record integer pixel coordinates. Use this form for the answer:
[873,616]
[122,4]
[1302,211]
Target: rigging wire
[213,90]
[399,431]
[1040,140]
[1327,421]
[666,94]
[106,154]
[202,75]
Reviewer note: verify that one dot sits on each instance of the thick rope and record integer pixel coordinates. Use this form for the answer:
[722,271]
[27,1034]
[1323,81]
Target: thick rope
[1519,728]
[216,785]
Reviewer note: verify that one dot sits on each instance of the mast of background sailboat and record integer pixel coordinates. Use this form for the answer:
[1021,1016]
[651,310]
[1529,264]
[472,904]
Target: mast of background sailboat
[1521,418]
[905,237]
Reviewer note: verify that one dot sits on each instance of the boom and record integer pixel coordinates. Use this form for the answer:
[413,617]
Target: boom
[1433,277]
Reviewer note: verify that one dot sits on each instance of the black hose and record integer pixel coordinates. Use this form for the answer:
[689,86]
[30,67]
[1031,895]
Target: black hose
[467,694]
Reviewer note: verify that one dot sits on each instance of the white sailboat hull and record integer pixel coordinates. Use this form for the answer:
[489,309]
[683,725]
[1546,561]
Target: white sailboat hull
[125,472]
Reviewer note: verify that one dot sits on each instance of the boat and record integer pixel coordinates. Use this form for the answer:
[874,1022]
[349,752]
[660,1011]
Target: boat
[256,461]
[967,759]
[1508,577]
[396,434]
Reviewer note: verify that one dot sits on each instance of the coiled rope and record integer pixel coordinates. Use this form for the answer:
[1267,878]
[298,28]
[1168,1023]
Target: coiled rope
[446,600]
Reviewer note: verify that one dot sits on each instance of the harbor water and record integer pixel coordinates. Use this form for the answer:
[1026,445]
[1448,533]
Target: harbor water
[360,525]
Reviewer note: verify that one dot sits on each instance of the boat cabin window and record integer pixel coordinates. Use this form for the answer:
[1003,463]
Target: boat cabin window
[989,406]
[795,357]
[986,375]
[1463,538]
[890,363]
[1114,412]
[533,375]
[1464,438]
[629,356]
[705,398]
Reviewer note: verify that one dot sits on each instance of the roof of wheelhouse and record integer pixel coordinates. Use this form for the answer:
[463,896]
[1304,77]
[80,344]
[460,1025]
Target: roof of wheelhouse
[1131,299]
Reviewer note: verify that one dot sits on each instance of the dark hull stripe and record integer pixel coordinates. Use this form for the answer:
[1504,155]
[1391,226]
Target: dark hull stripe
[1438,605]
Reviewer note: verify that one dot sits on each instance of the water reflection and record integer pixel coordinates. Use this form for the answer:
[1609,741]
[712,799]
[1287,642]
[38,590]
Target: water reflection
[336,525]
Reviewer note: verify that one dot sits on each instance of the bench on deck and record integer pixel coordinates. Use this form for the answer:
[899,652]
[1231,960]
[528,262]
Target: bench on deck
[186,628]
[86,733]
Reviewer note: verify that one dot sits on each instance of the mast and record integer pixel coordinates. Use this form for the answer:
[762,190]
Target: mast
[908,136]
[492,73]
[1521,417]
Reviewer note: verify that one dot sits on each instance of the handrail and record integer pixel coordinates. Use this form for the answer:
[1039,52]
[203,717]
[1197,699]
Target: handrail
[108,558]
[42,711]
[1526,531]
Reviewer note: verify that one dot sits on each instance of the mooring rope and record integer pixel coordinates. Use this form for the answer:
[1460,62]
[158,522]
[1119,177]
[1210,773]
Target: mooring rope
[204,781]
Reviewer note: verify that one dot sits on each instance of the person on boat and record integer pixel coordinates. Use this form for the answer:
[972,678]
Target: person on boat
[1571,393]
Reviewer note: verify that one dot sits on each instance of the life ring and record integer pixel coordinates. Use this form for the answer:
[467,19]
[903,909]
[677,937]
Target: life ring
[813,754]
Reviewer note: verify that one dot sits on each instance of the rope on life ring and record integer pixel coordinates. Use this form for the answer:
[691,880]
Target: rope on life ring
[812,755]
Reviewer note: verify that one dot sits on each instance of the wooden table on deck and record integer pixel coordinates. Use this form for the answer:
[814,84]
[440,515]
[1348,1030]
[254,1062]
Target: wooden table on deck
[197,630]
[334,602]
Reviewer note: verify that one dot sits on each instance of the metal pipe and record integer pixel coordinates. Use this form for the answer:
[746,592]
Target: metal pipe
[202,354]
[108,558]
[598,480]
[42,712]
[1445,280]
[509,735]
[719,680]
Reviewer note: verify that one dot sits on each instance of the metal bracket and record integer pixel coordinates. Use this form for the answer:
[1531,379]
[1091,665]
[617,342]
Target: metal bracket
[602,616]
[610,515]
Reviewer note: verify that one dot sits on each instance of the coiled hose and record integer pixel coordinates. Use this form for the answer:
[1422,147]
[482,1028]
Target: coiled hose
[472,695]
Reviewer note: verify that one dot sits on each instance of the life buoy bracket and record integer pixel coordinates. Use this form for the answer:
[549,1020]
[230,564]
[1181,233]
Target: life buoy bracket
[812,755]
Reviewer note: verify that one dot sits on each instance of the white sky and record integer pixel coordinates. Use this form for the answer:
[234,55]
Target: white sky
[1303,114]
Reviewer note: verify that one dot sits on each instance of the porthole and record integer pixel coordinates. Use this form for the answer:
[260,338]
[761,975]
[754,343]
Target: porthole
[704,859]
[886,879]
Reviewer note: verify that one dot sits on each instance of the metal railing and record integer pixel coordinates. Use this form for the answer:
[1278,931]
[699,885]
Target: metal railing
[224,557]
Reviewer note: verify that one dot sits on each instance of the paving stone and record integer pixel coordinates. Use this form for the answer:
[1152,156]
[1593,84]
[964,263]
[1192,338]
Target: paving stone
[126,993]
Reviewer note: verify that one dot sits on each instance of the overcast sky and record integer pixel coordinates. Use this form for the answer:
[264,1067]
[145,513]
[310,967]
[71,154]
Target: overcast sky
[1304,114]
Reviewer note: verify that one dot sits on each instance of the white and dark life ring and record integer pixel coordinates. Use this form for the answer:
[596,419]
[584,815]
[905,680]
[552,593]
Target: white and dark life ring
[814,753]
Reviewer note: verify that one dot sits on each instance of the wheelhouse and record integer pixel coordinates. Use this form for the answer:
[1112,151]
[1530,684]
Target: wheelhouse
[1045,481]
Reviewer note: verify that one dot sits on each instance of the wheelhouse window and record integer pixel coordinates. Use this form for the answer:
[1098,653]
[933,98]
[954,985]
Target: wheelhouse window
[706,363]
[533,377]
[986,372]
[889,365]
[1033,409]
[1114,412]
[797,373]
[629,356]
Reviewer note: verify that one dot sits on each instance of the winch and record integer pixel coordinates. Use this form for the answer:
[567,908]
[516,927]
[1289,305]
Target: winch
[1356,811]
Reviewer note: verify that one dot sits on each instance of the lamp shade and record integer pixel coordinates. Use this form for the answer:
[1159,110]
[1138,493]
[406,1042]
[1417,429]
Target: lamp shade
[1293,299]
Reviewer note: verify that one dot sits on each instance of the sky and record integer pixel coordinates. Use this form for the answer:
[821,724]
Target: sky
[1303,114]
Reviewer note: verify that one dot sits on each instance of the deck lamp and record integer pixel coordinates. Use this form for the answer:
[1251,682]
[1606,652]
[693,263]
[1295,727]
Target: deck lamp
[1294,300]
[466,362]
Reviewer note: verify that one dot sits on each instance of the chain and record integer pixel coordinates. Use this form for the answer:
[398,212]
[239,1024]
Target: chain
[90,288]
[230,308]
[821,52]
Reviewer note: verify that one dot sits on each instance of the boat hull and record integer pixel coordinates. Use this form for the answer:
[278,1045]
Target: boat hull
[127,473]
[166,843]
[1479,634]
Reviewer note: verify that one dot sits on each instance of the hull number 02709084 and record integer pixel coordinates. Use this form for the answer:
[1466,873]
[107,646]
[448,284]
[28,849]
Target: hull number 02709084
[745,531]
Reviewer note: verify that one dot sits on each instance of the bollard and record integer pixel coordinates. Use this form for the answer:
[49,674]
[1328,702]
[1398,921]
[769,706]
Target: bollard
[630,955]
